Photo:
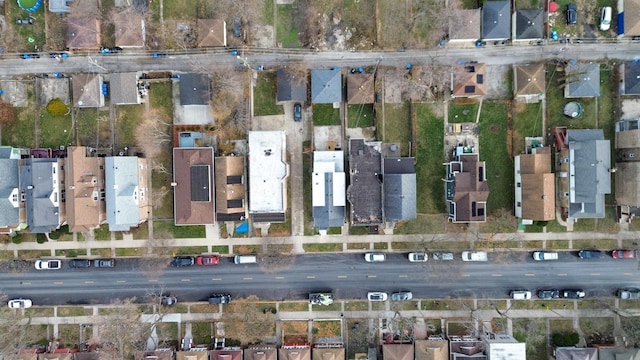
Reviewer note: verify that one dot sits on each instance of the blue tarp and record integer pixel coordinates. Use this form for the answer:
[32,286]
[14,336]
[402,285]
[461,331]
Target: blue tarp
[242,228]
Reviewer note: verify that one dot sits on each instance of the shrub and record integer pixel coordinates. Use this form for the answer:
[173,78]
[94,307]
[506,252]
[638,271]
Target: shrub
[57,107]
[54,235]
[41,239]
[17,239]
[566,339]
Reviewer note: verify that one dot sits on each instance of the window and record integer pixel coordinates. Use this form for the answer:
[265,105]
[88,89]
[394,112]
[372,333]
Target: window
[518,185]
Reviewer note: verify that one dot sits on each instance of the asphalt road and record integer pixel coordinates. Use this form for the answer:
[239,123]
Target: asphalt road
[348,276]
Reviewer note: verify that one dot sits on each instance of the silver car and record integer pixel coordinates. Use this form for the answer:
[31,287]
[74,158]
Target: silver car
[402,296]
[629,294]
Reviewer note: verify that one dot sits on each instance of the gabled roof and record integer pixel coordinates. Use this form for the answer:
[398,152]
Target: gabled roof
[529,24]
[261,352]
[365,188]
[574,353]
[268,171]
[535,186]
[326,86]
[83,32]
[327,353]
[468,80]
[399,189]
[432,349]
[294,353]
[397,352]
[290,88]
[529,79]
[226,354]
[87,90]
[9,192]
[124,88]
[195,89]
[632,18]
[631,77]
[84,184]
[617,353]
[230,188]
[328,189]
[360,88]
[126,191]
[467,191]
[160,354]
[627,183]
[129,29]
[40,180]
[192,193]
[193,354]
[583,80]
[496,20]
[464,25]
[212,32]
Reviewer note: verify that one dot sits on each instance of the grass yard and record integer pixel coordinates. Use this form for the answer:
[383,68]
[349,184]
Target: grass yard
[21,131]
[322,247]
[325,115]
[267,13]
[463,110]
[429,158]
[185,10]
[423,224]
[360,15]
[395,125]
[178,232]
[92,127]
[527,122]
[159,96]
[129,116]
[493,150]
[533,332]
[36,31]
[102,232]
[264,95]
[359,115]
[286,30]
[55,131]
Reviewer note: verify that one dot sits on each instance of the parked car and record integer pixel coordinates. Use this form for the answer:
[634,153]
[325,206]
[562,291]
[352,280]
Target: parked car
[27,21]
[237,27]
[520,295]
[321,298]
[545,255]
[442,256]
[573,293]
[475,256]
[51,264]
[572,14]
[181,261]
[548,294]
[418,257]
[375,257]
[80,263]
[159,55]
[623,254]
[104,263]
[297,112]
[605,18]
[20,303]
[204,260]
[110,50]
[30,56]
[629,294]
[377,296]
[168,300]
[402,296]
[219,299]
[590,254]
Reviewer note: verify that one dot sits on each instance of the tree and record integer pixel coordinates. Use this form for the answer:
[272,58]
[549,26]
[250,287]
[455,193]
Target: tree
[153,134]
[246,320]
[7,112]
[57,107]
[14,333]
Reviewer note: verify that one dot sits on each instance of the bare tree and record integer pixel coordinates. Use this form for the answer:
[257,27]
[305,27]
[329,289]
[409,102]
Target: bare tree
[247,320]
[278,257]
[153,134]
[14,333]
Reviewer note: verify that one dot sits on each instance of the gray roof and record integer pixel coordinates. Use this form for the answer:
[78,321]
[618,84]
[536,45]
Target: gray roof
[121,192]
[124,88]
[326,86]
[290,88]
[328,189]
[328,215]
[41,197]
[365,189]
[590,163]
[9,206]
[529,24]
[496,20]
[195,89]
[399,189]
[632,78]
[583,80]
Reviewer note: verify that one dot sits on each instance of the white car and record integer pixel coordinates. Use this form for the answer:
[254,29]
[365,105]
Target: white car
[375,257]
[545,255]
[50,264]
[377,296]
[418,257]
[20,304]
[605,18]
[475,256]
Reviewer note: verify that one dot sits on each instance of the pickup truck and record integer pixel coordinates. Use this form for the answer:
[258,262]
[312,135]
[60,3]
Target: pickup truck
[321,299]
[474,256]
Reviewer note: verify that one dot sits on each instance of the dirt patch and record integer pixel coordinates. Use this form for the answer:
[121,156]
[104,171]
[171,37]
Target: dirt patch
[51,88]
[263,36]
[15,92]
[498,83]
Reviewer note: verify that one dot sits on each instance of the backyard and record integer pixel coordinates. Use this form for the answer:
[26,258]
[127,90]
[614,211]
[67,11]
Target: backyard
[325,115]
[429,169]
[264,95]
[359,115]
[394,125]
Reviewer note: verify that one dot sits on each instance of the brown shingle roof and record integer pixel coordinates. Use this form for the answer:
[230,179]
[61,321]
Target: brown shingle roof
[397,351]
[192,355]
[464,25]
[529,79]
[469,189]
[212,32]
[87,90]
[631,17]
[469,80]
[229,185]
[189,207]
[84,183]
[294,353]
[628,139]
[129,29]
[226,354]
[360,88]
[266,352]
[538,187]
[432,350]
[327,353]
[83,32]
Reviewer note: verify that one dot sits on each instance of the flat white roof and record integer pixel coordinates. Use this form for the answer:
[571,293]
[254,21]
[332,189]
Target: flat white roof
[267,171]
[328,162]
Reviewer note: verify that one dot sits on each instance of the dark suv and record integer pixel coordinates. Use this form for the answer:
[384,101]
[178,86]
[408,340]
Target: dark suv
[297,112]
[104,263]
[219,299]
[572,14]
[80,263]
[548,294]
[181,261]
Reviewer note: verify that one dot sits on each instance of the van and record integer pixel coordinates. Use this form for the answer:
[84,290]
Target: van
[245,259]
[521,295]
[605,18]
[545,255]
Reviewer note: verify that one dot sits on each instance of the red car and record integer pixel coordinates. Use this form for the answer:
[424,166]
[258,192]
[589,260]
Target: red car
[207,260]
[623,254]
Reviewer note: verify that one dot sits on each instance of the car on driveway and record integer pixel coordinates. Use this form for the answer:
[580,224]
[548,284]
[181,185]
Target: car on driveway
[548,294]
[168,300]
[297,112]
[219,299]
[80,263]
[605,18]
[572,14]
[623,254]
[204,260]
[573,294]
[590,254]
[375,257]
[377,296]
[104,263]
[51,264]
[20,303]
[629,294]
[182,261]
[418,257]
[402,296]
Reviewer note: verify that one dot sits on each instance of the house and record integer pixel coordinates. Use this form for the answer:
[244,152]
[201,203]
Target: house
[434,348]
[268,173]
[195,95]
[466,189]
[227,353]
[197,353]
[129,29]
[126,192]
[83,33]
[42,181]
[583,174]
[328,189]
[212,33]
[330,352]
[399,189]
[87,90]
[504,347]
[230,188]
[193,202]
[294,352]
[529,82]
[631,77]
[124,89]
[158,354]
[365,186]
[397,352]
[574,353]
[631,19]
[627,181]
[60,6]
[9,190]
[466,347]
[582,80]
[326,86]
[261,352]
[534,186]
[617,353]
[360,88]
[496,20]
[84,189]
[468,80]
[529,25]
[291,87]
[464,25]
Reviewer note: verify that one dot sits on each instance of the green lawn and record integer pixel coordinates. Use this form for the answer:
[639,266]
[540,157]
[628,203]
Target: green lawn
[527,122]
[129,116]
[463,110]
[325,115]
[55,131]
[264,95]
[395,125]
[493,150]
[160,96]
[359,115]
[21,131]
[429,158]
[267,13]
[180,10]
[178,232]
[35,31]
[286,30]
[307,163]
[92,127]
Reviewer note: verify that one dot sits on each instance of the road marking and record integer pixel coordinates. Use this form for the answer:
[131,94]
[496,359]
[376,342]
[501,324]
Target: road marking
[121,281]
[342,276]
[529,274]
[466,275]
[433,275]
[371,276]
[403,276]
[595,274]
[54,283]
[29,283]
[88,282]
[279,277]
[628,274]
[185,280]
[311,277]
[153,280]
[562,274]
[496,275]
[247,278]
[216,279]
